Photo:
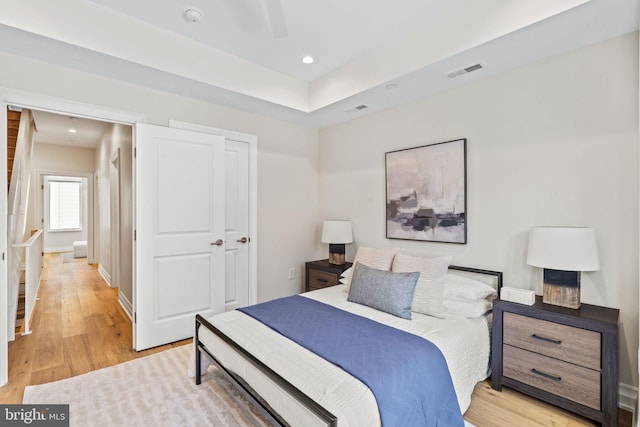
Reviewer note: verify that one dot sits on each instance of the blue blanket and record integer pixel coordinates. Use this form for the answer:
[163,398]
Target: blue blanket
[408,375]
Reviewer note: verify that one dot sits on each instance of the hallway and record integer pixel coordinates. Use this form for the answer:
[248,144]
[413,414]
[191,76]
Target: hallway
[78,326]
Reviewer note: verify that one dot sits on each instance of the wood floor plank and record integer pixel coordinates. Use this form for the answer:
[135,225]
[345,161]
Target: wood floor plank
[72,320]
[50,374]
[89,304]
[77,354]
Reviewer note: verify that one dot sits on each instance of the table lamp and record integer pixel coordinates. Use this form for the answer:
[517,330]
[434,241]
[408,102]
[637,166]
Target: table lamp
[336,234]
[563,253]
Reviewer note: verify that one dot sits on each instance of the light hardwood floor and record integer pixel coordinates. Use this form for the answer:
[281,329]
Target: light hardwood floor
[78,326]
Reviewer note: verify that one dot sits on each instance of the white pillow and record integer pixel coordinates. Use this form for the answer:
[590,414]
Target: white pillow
[427,297]
[378,258]
[475,308]
[345,277]
[429,293]
[465,289]
[429,268]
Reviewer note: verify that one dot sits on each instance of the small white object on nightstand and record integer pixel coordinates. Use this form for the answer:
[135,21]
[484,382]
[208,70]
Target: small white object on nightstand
[520,296]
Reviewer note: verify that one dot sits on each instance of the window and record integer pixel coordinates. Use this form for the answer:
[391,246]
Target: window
[65,205]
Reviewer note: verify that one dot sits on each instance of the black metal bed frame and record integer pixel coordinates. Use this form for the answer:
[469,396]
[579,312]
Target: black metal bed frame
[325,416]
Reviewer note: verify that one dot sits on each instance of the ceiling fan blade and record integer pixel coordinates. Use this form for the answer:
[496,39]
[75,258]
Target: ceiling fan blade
[275,17]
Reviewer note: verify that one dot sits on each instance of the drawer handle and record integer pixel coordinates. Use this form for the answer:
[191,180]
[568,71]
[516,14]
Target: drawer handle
[543,374]
[551,340]
[320,279]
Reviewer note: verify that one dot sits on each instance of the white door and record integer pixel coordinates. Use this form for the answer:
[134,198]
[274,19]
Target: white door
[180,251]
[241,219]
[237,225]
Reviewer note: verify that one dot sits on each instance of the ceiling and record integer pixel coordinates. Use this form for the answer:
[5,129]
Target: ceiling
[58,129]
[374,53]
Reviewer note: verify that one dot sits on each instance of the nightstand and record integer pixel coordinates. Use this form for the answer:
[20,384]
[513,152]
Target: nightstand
[566,357]
[320,274]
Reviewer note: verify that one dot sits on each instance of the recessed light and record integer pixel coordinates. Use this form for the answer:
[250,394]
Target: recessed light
[307,59]
[72,131]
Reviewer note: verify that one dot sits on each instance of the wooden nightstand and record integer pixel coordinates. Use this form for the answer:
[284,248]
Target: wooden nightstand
[320,274]
[567,357]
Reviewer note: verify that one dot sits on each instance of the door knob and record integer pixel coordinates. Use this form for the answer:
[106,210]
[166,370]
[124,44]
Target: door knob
[243,240]
[218,242]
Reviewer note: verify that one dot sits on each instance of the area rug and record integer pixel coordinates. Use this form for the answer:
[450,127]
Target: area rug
[151,391]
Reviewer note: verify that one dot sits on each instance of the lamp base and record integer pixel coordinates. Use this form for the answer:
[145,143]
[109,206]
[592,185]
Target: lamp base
[336,253]
[561,288]
[561,295]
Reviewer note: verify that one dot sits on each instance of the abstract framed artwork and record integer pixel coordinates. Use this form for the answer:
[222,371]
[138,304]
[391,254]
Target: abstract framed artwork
[427,192]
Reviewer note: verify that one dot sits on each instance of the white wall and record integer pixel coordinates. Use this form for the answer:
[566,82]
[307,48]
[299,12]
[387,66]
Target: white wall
[58,160]
[287,158]
[116,136]
[552,143]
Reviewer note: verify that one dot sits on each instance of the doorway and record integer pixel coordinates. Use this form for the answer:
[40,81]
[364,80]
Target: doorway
[56,106]
[63,209]
[101,204]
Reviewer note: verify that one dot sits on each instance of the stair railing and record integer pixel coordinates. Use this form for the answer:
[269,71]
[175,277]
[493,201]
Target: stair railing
[33,249]
[17,204]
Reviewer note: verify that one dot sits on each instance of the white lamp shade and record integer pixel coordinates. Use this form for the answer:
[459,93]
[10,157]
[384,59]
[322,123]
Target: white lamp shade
[563,248]
[337,232]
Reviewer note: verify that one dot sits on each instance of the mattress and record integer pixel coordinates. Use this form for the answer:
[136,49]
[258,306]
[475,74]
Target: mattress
[464,343]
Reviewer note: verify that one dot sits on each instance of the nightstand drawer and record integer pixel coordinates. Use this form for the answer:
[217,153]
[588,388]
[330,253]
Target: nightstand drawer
[575,345]
[564,379]
[321,279]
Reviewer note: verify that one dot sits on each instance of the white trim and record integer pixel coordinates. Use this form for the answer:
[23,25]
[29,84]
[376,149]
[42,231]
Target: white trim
[252,140]
[105,275]
[54,249]
[18,98]
[628,398]
[55,105]
[126,305]
[89,221]
[4,320]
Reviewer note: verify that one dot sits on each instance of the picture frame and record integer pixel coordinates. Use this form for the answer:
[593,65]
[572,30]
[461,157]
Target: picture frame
[426,192]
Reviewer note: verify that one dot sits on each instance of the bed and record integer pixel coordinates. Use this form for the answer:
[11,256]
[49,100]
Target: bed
[297,387]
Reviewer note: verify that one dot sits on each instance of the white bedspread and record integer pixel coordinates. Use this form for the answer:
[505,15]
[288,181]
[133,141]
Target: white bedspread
[463,342]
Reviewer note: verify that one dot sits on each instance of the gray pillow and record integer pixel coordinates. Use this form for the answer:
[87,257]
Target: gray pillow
[383,290]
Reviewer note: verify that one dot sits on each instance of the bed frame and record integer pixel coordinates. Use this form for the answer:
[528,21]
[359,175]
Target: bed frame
[323,415]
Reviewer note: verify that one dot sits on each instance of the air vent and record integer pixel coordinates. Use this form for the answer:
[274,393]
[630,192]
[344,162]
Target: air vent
[357,108]
[465,70]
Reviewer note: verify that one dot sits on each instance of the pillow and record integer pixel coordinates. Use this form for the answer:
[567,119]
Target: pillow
[475,308]
[427,297]
[383,290]
[345,277]
[465,289]
[429,292]
[429,268]
[378,258]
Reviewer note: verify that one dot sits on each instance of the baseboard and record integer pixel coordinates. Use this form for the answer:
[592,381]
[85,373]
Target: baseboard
[105,274]
[58,249]
[126,305]
[628,398]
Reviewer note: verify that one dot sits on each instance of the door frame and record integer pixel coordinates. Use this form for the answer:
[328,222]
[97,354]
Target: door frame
[88,222]
[18,98]
[252,140]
